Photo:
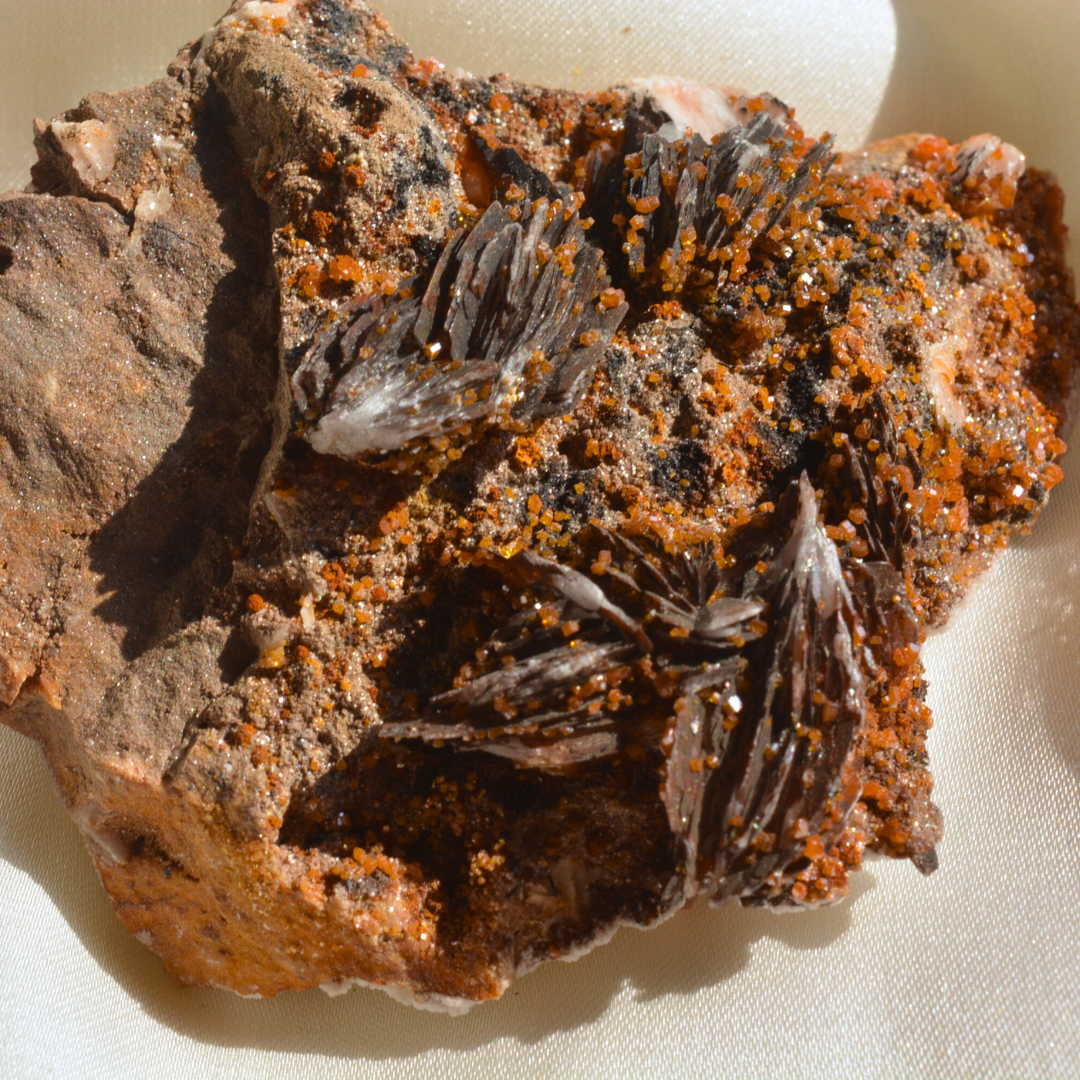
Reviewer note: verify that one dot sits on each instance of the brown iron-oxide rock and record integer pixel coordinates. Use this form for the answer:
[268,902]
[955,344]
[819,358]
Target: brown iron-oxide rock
[444,519]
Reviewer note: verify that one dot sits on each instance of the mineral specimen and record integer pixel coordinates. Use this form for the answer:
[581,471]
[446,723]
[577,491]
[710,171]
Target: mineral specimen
[445,519]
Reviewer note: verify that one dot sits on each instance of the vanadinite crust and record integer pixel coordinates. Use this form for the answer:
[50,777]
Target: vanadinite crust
[446,519]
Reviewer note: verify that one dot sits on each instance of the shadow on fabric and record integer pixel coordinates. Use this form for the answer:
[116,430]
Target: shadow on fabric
[971,66]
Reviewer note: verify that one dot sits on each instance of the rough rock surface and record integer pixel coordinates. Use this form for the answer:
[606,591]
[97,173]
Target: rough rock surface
[443,519]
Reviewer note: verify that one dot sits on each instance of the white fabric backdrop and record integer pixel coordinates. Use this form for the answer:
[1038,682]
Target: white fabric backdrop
[970,973]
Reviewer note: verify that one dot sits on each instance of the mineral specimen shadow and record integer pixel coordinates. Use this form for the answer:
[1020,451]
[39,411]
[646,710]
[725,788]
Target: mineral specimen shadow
[167,553]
